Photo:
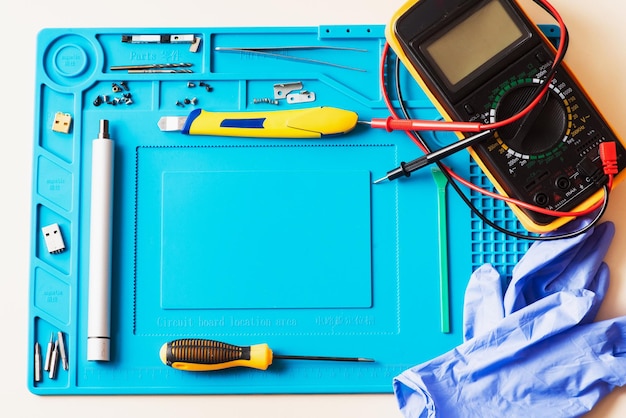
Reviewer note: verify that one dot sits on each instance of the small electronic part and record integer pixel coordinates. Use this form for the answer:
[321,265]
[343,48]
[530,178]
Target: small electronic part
[62,122]
[53,238]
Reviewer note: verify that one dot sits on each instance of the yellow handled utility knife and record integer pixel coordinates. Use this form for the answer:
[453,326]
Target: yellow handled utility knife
[316,122]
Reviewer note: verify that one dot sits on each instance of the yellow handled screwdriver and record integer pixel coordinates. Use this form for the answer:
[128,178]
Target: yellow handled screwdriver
[196,354]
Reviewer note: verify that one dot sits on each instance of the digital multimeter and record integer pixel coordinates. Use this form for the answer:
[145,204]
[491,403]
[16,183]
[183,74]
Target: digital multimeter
[484,61]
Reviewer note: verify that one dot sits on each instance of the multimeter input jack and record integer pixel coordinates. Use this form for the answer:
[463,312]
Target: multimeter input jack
[541,199]
[562,183]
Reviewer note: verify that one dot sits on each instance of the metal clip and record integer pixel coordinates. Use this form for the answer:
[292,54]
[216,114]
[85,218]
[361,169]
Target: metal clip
[283,89]
[303,96]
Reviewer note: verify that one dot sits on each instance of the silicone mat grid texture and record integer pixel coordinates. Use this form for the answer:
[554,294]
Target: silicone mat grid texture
[238,239]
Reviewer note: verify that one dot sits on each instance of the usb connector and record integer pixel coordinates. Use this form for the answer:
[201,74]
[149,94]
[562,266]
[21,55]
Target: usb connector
[53,238]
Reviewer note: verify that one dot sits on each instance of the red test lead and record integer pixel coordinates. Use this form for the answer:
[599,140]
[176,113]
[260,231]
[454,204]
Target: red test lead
[394,124]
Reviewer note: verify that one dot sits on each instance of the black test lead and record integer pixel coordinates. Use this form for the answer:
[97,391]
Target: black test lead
[405,169]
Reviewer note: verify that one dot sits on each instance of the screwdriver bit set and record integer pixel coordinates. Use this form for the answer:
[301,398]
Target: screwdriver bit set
[243,239]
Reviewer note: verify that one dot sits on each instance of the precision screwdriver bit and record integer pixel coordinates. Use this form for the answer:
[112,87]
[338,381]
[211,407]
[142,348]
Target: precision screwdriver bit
[38,372]
[49,349]
[62,350]
[54,361]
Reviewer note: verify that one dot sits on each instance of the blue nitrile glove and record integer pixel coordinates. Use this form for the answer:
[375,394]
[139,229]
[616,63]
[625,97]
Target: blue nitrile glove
[551,266]
[512,372]
[535,360]
[547,267]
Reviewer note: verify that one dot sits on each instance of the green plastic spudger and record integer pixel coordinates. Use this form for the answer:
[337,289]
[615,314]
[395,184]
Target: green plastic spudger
[442,222]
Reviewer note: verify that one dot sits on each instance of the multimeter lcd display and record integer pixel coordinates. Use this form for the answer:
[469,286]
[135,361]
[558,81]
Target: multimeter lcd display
[478,39]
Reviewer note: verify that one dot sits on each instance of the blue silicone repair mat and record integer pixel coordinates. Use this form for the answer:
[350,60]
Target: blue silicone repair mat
[242,240]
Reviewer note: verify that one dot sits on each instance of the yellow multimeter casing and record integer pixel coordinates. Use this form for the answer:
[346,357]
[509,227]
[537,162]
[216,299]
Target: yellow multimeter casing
[484,61]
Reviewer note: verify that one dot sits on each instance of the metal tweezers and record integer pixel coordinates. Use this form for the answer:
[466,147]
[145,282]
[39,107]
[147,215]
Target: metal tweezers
[267,51]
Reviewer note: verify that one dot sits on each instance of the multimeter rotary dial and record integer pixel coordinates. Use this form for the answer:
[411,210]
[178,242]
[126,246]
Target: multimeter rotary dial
[540,134]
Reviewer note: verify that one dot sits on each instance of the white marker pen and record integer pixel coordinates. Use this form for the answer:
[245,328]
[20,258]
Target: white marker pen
[99,302]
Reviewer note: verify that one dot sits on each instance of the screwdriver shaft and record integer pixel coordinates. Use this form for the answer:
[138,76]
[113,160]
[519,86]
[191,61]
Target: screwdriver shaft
[322,358]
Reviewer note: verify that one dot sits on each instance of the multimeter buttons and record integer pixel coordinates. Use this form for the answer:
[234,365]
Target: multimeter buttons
[541,133]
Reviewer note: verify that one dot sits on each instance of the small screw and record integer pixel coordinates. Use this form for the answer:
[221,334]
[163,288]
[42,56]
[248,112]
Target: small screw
[97,101]
[115,88]
[191,84]
[194,101]
[178,103]
[206,86]
[124,85]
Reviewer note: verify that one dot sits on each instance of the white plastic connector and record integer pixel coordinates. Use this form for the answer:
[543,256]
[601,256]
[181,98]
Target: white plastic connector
[62,122]
[53,238]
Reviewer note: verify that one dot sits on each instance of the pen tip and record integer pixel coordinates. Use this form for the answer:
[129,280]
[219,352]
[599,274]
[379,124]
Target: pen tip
[380,180]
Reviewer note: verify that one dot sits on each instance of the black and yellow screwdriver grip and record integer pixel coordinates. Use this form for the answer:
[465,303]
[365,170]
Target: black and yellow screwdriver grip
[199,355]
[195,354]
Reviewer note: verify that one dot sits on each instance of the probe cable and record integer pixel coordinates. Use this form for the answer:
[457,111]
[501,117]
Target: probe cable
[411,126]
[451,176]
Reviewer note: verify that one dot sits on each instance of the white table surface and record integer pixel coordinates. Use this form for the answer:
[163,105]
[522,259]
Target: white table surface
[598,35]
